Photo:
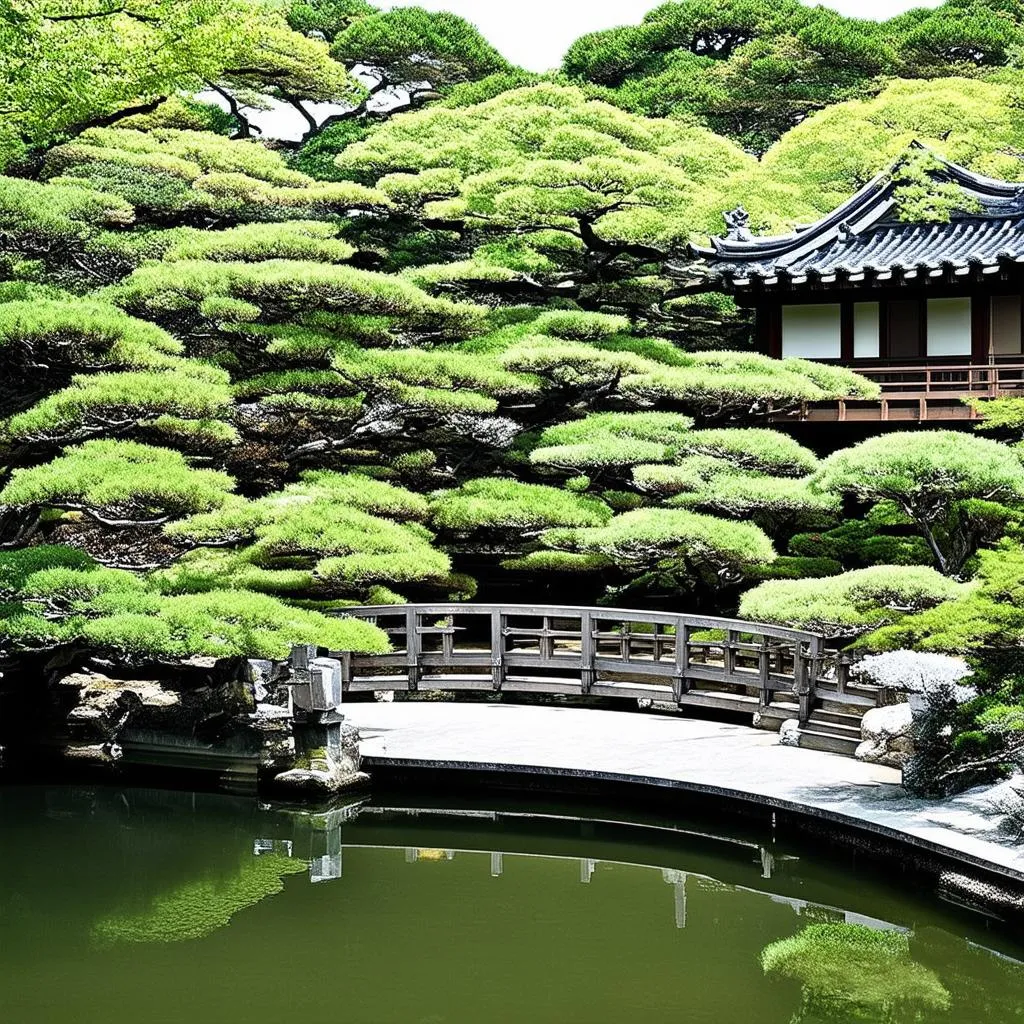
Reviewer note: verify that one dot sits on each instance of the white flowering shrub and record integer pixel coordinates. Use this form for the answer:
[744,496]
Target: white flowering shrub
[916,672]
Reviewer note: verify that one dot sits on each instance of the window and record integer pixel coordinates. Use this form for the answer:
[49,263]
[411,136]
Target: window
[949,327]
[865,330]
[812,332]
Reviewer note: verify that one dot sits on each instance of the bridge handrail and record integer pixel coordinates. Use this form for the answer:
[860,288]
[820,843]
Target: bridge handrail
[601,613]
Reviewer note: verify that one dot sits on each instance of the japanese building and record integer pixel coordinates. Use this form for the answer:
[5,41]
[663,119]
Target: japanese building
[924,308]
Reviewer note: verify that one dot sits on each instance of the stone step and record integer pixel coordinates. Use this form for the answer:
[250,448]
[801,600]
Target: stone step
[845,703]
[838,717]
[851,732]
[812,739]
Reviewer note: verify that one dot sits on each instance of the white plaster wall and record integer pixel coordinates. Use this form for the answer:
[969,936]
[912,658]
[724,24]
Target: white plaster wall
[811,332]
[949,327]
[865,330]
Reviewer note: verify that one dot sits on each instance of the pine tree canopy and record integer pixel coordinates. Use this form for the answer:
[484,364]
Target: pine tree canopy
[454,339]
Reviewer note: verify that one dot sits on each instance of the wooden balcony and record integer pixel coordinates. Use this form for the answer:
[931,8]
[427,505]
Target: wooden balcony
[933,393]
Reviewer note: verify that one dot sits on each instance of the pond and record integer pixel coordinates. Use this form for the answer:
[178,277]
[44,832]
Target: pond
[146,905]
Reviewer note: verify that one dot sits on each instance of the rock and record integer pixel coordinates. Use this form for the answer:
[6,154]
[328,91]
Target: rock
[259,673]
[789,733]
[102,754]
[887,736]
[309,783]
[323,771]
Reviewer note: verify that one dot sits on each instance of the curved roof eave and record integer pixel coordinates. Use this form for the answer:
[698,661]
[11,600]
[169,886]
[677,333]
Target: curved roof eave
[857,210]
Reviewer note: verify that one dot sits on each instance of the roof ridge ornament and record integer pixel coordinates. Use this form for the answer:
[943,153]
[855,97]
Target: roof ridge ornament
[846,231]
[738,223]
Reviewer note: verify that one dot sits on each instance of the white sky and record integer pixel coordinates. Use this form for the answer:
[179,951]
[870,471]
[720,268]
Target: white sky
[536,33]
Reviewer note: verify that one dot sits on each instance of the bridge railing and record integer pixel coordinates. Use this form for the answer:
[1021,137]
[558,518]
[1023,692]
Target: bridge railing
[607,652]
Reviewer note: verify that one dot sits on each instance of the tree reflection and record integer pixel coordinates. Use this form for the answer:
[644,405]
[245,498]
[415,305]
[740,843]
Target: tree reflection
[851,973]
[196,909]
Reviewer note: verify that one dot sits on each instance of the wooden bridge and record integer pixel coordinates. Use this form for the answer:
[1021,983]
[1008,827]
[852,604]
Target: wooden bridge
[728,664]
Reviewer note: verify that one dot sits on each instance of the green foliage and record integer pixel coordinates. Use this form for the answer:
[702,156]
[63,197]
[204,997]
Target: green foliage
[795,567]
[544,562]
[410,46]
[579,326]
[46,340]
[115,401]
[986,614]
[852,603]
[67,67]
[250,243]
[611,440]
[325,535]
[856,970]
[472,316]
[545,157]
[170,173]
[947,483]
[49,221]
[670,547]
[283,289]
[764,451]
[58,595]
[18,565]
[508,505]
[197,909]
[827,157]
[858,543]
[747,68]
[774,503]
[222,623]
[119,477]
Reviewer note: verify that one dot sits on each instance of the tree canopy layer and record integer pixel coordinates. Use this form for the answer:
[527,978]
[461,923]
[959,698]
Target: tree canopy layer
[751,69]
[437,347]
[822,161]
[71,65]
[954,489]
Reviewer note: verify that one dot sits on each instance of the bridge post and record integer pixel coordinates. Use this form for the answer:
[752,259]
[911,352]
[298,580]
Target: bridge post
[680,684]
[413,647]
[729,652]
[588,652]
[805,669]
[497,650]
[764,672]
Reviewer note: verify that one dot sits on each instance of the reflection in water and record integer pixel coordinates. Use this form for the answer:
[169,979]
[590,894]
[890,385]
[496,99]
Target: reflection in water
[211,909]
[849,972]
[198,908]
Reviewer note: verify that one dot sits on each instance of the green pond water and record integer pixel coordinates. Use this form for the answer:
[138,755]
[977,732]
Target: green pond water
[143,905]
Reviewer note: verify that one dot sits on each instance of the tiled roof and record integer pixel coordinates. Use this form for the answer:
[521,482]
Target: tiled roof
[863,238]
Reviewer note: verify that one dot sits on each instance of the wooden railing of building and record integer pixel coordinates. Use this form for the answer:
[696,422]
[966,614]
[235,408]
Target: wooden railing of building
[600,652]
[934,391]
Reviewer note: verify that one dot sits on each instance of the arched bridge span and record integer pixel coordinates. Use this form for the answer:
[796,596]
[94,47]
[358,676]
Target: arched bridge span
[693,660]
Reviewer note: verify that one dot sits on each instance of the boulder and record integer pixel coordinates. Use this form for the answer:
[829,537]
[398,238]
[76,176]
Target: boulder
[887,736]
[789,733]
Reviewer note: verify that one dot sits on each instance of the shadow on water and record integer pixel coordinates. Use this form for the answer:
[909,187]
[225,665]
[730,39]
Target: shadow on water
[157,905]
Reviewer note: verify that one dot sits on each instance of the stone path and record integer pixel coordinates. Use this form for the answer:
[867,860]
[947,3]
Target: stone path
[697,753]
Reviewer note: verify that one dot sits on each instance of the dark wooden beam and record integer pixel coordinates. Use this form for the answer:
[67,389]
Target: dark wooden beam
[846,332]
[981,328]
